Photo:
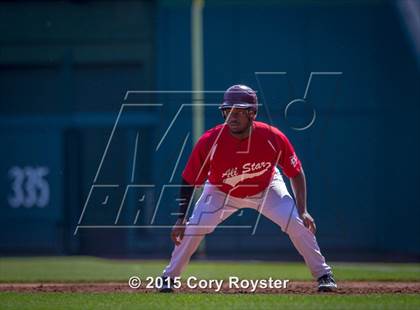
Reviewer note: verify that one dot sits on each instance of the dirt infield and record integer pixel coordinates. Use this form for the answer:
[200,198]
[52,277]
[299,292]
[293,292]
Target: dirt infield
[295,287]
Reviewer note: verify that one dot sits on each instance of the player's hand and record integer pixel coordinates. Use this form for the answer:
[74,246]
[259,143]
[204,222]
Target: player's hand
[308,221]
[178,231]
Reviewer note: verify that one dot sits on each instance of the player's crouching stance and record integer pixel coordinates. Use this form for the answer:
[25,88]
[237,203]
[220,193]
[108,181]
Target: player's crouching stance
[237,162]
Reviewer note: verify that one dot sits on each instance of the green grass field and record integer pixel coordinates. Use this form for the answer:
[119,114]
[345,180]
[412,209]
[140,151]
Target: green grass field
[203,301]
[88,269]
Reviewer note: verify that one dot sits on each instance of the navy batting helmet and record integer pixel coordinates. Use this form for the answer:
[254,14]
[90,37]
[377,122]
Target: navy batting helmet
[240,96]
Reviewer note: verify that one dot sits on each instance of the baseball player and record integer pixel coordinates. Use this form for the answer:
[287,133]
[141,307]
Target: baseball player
[237,163]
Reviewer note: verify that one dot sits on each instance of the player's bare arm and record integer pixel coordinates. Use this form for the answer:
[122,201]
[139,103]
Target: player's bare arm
[178,231]
[299,190]
[186,192]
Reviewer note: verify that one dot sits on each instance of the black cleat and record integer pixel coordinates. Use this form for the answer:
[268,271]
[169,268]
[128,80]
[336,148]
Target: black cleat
[166,287]
[326,283]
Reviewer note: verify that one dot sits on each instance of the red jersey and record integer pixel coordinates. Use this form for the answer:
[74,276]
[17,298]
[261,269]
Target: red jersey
[238,167]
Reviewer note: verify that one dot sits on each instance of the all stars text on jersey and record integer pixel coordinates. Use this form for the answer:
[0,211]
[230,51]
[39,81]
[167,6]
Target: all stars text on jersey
[246,168]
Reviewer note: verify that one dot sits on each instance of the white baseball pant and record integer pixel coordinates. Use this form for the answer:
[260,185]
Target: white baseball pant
[214,206]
